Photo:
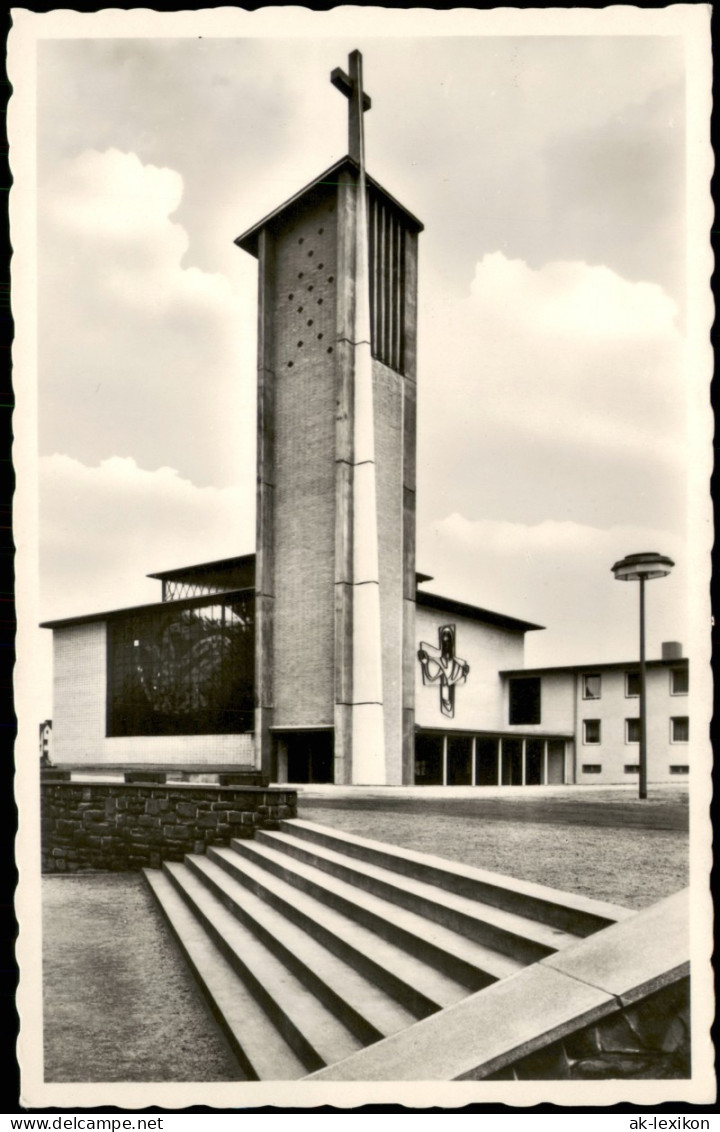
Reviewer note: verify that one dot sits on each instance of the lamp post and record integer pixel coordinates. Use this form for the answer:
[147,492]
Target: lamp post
[641,568]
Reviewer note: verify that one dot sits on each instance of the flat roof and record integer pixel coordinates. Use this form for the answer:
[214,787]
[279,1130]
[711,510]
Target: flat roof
[627,665]
[475,612]
[242,561]
[248,241]
[244,564]
[221,565]
[182,603]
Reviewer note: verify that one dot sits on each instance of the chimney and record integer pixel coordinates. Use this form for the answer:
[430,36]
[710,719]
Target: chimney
[671,650]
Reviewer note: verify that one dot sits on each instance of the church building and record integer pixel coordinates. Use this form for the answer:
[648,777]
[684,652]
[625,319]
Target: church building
[321,657]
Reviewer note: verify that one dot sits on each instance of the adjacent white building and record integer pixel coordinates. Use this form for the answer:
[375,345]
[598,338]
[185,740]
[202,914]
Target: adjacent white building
[599,705]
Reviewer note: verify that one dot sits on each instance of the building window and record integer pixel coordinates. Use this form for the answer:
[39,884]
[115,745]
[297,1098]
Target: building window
[679,729]
[632,768]
[679,681]
[592,768]
[679,769]
[525,700]
[632,684]
[591,731]
[184,669]
[632,730]
[591,686]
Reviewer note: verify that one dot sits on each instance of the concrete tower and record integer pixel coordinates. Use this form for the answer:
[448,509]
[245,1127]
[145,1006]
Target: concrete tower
[335,573]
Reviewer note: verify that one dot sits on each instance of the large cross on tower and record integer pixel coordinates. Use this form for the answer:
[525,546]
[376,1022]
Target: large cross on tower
[367,697]
[351,86]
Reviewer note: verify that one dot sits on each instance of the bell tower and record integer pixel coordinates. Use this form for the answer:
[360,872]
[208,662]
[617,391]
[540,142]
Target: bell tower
[335,558]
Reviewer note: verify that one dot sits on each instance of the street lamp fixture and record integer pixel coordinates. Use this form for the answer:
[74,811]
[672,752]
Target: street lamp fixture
[641,568]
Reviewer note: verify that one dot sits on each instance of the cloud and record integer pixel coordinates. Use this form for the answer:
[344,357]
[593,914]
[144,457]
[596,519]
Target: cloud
[508,141]
[140,354]
[113,197]
[558,574]
[573,299]
[103,528]
[233,115]
[556,391]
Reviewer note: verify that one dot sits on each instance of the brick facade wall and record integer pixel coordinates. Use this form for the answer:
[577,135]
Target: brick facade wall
[121,826]
[304,468]
[305,458]
[80,683]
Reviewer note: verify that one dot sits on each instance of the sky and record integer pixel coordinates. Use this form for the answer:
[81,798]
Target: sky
[556,403]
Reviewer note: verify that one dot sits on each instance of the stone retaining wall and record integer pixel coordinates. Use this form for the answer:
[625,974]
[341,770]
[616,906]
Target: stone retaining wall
[126,826]
[650,1039]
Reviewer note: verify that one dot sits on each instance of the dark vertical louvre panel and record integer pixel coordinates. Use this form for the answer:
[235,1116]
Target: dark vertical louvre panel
[373,260]
[387,282]
[383,286]
[395,294]
[398,305]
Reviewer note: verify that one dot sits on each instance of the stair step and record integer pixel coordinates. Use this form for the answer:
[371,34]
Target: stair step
[466,961]
[312,944]
[573,913]
[314,1033]
[518,936]
[365,1008]
[261,1051]
[420,988]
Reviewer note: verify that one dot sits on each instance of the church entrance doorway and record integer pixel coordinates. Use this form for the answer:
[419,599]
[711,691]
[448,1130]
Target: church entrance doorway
[304,756]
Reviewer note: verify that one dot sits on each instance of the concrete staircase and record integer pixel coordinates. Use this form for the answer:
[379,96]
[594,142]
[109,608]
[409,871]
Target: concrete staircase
[312,944]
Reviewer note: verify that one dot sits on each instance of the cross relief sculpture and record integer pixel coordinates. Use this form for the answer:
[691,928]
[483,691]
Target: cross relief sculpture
[442,666]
